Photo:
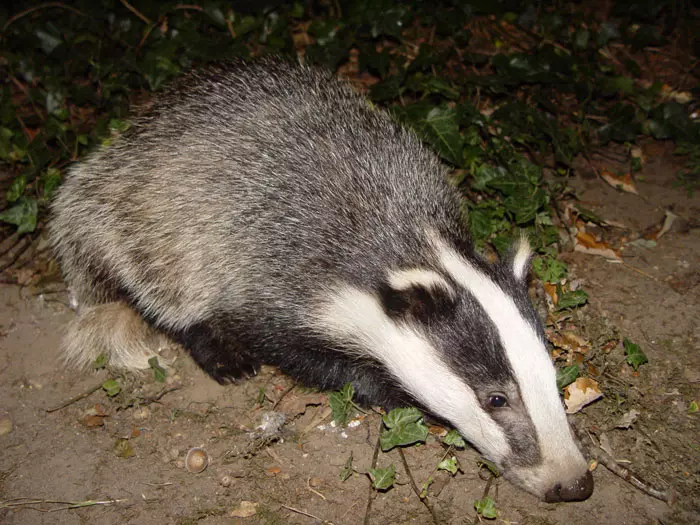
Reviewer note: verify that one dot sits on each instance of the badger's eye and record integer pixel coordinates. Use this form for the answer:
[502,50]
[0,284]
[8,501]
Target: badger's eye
[497,401]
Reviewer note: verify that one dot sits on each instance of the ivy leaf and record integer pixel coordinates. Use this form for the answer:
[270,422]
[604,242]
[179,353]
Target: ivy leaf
[441,127]
[549,269]
[23,215]
[111,387]
[382,478]
[635,356]
[566,376]
[159,373]
[455,439]
[16,189]
[404,426]
[449,464]
[570,299]
[347,469]
[486,508]
[341,403]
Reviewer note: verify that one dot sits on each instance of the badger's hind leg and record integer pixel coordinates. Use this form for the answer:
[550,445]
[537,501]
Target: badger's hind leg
[217,352]
[114,330]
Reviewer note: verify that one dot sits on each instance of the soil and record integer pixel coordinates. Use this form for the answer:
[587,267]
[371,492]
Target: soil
[124,456]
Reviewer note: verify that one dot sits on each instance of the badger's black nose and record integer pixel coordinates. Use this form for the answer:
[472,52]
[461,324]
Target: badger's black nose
[577,490]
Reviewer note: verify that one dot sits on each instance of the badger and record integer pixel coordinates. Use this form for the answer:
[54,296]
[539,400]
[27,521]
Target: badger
[263,212]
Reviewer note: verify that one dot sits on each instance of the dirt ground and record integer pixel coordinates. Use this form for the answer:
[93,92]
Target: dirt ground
[79,453]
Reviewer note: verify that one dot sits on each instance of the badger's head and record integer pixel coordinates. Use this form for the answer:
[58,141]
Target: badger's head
[462,338]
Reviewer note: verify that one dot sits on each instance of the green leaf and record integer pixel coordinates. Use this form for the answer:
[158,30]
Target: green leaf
[123,449]
[486,508]
[404,426]
[570,299]
[566,376]
[341,404]
[441,127]
[100,362]
[581,39]
[48,42]
[455,439]
[111,387]
[382,478]
[159,373]
[51,181]
[549,269]
[635,356]
[23,215]
[449,464]
[347,469]
[16,189]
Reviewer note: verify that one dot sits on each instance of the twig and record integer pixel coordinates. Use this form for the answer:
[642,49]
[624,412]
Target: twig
[189,7]
[415,488]
[28,502]
[284,394]
[370,498]
[306,514]
[669,495]
[76,398]
[626,265]
[47,5]
[308,486]
[27,240]
[131,8]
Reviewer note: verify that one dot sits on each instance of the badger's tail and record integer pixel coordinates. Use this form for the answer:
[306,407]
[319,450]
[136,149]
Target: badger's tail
[115,331]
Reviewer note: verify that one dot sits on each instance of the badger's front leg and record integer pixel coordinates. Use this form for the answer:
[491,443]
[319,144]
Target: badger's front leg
[217,351]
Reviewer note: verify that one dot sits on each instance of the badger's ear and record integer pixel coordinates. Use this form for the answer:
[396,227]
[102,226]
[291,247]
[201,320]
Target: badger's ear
[521,255]
[416,294]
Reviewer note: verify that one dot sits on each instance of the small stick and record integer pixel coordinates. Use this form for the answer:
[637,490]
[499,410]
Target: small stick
[22,502]
[19,15]
[477,518]
[131,8]
[370,499]
[669,495]
[284,394]
[415,488]
[633,268]
[305,514]
[72,400]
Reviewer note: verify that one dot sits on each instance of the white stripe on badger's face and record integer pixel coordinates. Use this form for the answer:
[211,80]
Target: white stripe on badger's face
[532,368]
[357,317]
[405,279]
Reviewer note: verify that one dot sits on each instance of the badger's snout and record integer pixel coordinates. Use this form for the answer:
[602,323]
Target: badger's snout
[577,490]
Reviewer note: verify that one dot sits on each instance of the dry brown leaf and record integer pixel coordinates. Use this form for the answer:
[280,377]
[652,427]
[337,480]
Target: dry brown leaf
[437,430]
[586,243]
[569,341]
[621,182]
[551,291]
[580,393]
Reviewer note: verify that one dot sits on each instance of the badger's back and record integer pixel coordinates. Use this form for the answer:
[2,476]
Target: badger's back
[250,182]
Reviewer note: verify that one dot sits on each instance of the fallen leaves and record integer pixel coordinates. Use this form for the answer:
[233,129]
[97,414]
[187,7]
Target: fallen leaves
[580,393]
[622,182]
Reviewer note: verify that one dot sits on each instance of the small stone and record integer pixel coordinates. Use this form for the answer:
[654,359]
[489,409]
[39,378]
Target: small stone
[141,413]
[5,426]
[245,509]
